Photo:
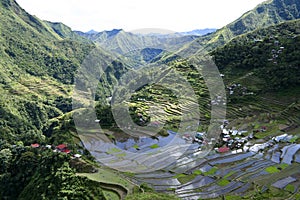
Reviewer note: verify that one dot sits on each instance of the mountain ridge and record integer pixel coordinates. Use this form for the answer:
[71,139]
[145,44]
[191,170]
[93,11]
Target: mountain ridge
[263,15]
[38,65]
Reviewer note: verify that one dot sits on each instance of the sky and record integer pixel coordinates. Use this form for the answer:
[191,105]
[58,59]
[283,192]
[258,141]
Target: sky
[174,15]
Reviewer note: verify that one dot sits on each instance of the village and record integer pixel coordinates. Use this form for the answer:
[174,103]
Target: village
[61,148]
[238,141]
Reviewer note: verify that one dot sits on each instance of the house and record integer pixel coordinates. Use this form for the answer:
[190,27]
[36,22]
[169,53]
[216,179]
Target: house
[67,151]
[77,155]
[61,147]
[259,147]
[36,145]
[223,149]
[237,151]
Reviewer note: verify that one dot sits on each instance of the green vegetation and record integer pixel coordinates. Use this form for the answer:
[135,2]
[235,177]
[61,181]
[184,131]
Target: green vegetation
[229,174]
[151,196]
[276,168]
[272,169]
[32,173]
[290,188]
[113,151]
[264,15]
[223,182]
[185,178]
[38,64]
[37,68]
[211,172]
[154,146]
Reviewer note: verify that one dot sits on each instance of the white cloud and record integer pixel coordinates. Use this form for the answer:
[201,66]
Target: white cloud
[177,15]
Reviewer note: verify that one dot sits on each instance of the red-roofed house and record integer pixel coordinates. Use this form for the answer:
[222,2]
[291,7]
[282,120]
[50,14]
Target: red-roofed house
[67,151]
[36,145]
[223,149]
[61,147]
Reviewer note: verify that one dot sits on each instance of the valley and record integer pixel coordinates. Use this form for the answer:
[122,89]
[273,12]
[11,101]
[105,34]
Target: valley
[119,115]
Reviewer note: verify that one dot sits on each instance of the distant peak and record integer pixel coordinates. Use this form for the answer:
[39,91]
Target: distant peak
[199,32]
[92,32]
[113,32]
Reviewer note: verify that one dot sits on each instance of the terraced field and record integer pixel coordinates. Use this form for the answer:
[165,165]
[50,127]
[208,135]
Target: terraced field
[227,174]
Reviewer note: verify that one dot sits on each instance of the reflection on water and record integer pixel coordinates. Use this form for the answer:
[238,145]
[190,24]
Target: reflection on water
[143,143]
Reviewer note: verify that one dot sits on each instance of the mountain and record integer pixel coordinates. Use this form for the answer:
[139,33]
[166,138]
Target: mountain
[265,62]
[199,32]
[92,32]
[263,15]
[132,46]
[64,31]
[257,55]
[266,14]
[38,63]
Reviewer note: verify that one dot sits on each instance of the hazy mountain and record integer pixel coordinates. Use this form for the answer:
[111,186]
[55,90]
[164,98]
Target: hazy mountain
[92,32]
[131,46]
[199,32]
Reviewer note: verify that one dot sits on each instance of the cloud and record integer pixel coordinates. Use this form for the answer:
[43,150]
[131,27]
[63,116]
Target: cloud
[181,15]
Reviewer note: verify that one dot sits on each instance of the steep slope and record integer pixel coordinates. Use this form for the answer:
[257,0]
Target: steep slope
[38,63]
[266,64]
[36,67]
[64,31]
[265,14]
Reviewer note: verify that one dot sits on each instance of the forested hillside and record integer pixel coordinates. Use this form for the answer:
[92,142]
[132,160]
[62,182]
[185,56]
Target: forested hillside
[263,15]
[37,68]
[42,156]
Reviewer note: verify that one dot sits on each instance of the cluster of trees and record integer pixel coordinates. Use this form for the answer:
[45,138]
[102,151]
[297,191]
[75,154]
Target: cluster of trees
[28,173]
[270,53]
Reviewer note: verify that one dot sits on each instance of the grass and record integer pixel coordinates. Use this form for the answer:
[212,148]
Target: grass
[232,197]
[108,176]
[276,168]
[290,188]
[129,174]
[113,150]
[197,172]
[154,146]
[282,166]
[268,179]
[212,171]
[294,139]
[110,195]
[135,146]
[223,182]
[272,169]
[229,174]
[150,196]
[119,155]
[184,178]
